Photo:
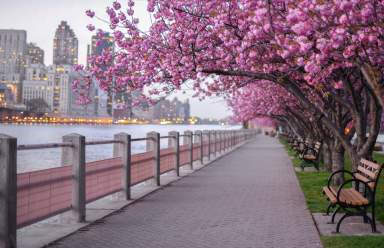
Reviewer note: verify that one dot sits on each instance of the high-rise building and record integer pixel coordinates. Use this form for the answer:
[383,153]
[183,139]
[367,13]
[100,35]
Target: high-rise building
[52,86]
[65,46]
[60,79]
[35,55]
[104,99]
[141,109]
[77,109]
[172,110]
[36,85]
[36,72]
[119,104]
[4,95]
[101,43]
[38,90]
[13,47]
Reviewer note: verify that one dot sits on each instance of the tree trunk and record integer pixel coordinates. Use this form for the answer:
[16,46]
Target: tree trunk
[327,157]
[372,79]
[338,163]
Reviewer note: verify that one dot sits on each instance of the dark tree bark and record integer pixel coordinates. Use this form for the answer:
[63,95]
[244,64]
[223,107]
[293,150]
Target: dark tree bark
[327,156]
[337,162]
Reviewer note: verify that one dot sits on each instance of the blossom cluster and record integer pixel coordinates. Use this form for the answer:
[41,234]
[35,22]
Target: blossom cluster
[239,47]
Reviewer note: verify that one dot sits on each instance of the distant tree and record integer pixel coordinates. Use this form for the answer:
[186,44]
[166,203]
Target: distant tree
[37,105]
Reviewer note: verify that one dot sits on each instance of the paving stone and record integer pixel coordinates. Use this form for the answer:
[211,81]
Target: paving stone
[351,226]
[249,198]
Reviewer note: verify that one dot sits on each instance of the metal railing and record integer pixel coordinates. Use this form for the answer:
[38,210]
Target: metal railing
[29,197]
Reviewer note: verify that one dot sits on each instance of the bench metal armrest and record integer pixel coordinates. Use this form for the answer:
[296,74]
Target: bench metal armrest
[370,192]
[337,172]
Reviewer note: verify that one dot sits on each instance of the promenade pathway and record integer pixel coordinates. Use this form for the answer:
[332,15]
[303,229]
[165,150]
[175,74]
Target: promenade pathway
[249,198]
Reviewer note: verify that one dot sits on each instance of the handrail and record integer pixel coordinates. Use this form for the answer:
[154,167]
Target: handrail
[167,137]
[43,146]
[140,139]
[156,161]
[102,142]
[64,144]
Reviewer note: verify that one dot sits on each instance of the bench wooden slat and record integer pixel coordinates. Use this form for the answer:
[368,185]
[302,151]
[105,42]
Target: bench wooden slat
[365,179]
[349,196]
[370,164]
[367,172]
[330,195]
[355,197]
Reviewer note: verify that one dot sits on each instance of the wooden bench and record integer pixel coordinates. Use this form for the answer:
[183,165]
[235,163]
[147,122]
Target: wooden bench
[359,197]
[310,155]
[303,145]
[291,139]
[296,143]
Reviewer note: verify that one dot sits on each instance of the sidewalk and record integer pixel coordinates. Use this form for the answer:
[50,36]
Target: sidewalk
[249,198]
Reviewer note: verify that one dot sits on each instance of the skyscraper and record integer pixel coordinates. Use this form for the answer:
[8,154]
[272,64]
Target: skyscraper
[65,46]
[118,105]
[35,55]
[99,44]
[174,109]
[12,58]
[36,85]
[103,100]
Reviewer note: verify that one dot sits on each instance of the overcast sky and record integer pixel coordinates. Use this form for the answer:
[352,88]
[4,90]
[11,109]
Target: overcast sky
[40,19]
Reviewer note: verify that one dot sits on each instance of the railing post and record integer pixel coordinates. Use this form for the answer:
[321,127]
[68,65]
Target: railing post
[229,139]
[199,140]
[207,134]
[77,160]
[217,142]
[223,141]
[123,150]
[213,140]
[226,140]
[220,142]
[8,191]
[153,144]
[174,141]
[214,133]
[188,140]
[233,138]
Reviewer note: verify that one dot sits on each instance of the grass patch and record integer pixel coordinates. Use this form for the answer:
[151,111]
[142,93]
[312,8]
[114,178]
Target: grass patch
[380,191]
[312,182]
[353,242]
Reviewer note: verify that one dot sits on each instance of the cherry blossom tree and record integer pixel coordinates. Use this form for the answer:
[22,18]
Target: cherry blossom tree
[326,54]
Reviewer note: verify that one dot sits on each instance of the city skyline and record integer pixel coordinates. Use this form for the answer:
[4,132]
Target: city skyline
[31,16]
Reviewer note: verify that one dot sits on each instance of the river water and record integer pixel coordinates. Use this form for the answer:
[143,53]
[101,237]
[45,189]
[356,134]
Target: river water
[47,158]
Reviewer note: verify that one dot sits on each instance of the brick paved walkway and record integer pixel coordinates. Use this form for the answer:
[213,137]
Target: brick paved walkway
[249,198]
